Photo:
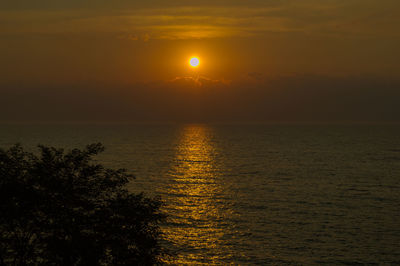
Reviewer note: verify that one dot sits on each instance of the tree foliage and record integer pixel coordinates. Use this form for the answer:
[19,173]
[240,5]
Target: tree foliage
[63,208]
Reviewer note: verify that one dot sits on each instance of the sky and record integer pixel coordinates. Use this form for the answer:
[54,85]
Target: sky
[260,61]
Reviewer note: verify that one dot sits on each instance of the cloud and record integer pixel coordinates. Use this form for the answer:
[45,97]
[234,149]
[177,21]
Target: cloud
[134,37]
[188,22]
[131,37]
[146,37]
[257,76]
[199,81]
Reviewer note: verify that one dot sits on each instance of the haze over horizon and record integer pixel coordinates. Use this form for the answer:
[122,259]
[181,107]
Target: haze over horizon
[262,61]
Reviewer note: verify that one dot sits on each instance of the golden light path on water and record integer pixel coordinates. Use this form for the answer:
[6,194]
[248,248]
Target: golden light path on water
[196,221]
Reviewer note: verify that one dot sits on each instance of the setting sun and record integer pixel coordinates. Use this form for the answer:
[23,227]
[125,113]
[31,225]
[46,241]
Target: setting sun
[194,62]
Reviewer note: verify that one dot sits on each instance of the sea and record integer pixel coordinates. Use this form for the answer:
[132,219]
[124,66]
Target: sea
[256,194]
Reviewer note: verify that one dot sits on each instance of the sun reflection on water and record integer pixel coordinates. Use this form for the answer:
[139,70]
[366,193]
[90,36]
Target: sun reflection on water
[196,221]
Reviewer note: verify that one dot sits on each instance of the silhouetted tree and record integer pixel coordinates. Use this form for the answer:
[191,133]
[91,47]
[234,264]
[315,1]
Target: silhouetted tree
[62,208]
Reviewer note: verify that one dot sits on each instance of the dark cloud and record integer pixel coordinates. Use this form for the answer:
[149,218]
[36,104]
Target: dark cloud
[186,99]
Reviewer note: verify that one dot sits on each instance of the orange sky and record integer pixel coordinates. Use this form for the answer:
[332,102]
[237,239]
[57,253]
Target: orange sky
[129,60]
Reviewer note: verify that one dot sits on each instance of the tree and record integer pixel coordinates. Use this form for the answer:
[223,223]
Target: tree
[63,208]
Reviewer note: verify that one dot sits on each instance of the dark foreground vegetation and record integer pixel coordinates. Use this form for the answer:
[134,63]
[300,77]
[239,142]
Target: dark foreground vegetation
[62,208]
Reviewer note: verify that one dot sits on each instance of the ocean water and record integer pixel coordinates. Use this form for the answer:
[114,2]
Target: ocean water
[257,194]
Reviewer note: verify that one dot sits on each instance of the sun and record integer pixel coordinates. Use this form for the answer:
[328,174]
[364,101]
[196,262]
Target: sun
[194,62]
